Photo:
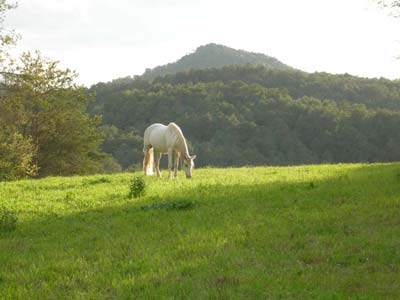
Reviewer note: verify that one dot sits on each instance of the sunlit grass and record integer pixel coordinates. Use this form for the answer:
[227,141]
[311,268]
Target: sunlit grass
[307,232]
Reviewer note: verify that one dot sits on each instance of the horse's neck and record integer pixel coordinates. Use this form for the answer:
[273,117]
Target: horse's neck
[181,143]
[182,146]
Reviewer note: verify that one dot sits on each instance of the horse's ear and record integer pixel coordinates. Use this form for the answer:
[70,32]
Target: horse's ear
[193,157]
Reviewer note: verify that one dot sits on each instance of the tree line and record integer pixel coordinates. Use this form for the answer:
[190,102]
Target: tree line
[252,115]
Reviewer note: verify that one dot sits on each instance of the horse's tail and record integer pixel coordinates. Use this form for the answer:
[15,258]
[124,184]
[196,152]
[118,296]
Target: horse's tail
[148,162]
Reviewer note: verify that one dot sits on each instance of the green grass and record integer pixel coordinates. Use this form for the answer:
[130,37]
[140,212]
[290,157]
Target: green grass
[307,232]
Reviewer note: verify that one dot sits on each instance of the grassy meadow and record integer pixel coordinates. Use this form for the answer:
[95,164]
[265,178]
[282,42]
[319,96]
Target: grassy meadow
[305,232]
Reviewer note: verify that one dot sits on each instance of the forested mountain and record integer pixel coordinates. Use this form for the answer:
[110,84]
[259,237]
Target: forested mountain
[374,93]
[252,115]
[214,56]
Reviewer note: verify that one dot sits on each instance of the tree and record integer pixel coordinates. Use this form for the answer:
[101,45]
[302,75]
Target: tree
[44,125]
[16,150]
[7,37]
[47,108]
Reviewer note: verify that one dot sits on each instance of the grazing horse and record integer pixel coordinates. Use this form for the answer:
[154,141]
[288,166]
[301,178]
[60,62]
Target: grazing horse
[159,139]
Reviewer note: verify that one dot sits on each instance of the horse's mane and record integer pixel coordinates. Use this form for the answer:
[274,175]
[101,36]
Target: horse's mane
[181,142]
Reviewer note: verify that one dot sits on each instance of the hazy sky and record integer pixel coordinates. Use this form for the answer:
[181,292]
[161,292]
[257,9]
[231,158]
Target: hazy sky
[104,40]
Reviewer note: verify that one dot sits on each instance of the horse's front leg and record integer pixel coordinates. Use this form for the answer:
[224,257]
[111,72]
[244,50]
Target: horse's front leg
[176,163]
[170,156]
[157,163]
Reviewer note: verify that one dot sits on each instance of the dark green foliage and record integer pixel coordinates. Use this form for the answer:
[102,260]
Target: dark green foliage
[125,146]
[374,93]
[174,205]
[137,187]
[8,220]
[251,115]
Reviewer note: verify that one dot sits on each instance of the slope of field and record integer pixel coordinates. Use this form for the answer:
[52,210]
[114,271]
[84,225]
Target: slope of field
[307,232]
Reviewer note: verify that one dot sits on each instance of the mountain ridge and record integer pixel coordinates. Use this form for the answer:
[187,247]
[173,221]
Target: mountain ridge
[214,56]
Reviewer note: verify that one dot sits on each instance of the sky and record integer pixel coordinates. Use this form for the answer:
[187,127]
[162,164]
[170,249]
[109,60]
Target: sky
[108,39]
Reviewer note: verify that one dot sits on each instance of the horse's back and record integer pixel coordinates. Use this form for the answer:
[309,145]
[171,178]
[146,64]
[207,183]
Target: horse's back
[153,127]
[155,135]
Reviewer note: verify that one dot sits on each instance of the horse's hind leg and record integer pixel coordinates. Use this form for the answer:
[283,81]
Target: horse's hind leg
[148,160]
[145,149]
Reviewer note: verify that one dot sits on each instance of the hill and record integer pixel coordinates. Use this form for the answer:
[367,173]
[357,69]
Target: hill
[309,232]
[252,115]
[372,92]
[214,56]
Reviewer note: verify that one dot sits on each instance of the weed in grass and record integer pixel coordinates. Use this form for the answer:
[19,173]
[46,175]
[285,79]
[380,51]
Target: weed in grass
[96,181]
[8,220]
[137,187]
[69,196]
[176,205]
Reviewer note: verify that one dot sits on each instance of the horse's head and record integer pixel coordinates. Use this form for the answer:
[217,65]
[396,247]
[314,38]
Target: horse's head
[188,165]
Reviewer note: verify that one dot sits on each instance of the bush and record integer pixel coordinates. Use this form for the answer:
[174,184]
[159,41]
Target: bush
[137,187]
[8,220]
[16,155]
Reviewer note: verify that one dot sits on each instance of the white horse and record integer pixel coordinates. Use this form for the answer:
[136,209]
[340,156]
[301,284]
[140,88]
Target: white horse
[159,139]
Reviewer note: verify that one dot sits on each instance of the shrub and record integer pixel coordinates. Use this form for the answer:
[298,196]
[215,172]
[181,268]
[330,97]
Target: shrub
[137,187]
[16,155]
